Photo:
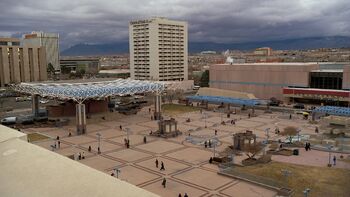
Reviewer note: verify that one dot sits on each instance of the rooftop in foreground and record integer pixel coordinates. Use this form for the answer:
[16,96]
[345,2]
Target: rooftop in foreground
[29,170]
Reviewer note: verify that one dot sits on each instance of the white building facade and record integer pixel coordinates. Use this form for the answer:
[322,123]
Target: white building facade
[158,49]
[50,41]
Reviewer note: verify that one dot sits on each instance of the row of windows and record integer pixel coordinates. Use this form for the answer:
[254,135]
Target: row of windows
[174,51]
[173,37]
[138,37]
[170,56]
[141,48]
[170,34]
[169,25]
[171,42]
[140,33]
[170,29]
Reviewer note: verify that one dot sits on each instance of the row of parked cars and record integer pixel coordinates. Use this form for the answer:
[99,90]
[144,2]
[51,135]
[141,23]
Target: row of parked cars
[25,119]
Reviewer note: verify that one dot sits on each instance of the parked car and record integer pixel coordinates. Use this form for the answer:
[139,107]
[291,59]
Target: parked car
[23,98]
[42,101]
[9,120]
[299,106]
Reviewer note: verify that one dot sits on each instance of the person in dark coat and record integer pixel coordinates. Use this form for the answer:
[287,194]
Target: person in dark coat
[164,182]
[157,163]
[162,166]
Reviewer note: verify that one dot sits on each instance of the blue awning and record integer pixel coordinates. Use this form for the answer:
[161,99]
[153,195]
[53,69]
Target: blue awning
[226,100]
[333,110]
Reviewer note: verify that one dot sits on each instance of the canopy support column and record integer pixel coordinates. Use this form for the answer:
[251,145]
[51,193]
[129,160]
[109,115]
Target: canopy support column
[158,106]
[35,105]
[80,118]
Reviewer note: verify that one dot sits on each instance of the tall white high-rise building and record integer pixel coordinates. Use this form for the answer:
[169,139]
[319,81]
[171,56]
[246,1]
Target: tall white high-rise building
[158,49]
[48,40]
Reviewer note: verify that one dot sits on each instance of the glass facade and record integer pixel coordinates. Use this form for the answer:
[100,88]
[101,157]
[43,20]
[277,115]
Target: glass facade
[326,80]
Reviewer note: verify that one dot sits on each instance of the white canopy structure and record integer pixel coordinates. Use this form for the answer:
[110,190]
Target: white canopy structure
[89,90]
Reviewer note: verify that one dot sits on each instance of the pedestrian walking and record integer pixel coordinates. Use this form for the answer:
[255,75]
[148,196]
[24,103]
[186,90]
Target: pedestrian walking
[290,116]
[156,163]
[248,115]
[164,182]
[83,156]
[334,160]
[59,144]
[209,143]
[162,166]
[58,138]
[149,110]
[180,195]
[79,156]
[306,146]
[216,132]
[205,144]
[69,134]
[89,149]
[185,195]
[144,139]
[316,130]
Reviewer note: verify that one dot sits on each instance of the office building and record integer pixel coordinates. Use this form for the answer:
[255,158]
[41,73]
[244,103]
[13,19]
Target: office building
[21,64]
[9,42]
[158,50]
[74,64]
[304,82]
[50,41]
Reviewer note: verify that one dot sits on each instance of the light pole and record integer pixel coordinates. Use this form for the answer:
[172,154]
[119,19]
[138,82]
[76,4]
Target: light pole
[329,155]
[298,130]
[267,131]
[205,119]
[306,192]
[127,130]
[286,174]
[99,142]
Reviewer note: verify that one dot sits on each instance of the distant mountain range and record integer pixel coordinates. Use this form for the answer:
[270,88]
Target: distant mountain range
[194,47]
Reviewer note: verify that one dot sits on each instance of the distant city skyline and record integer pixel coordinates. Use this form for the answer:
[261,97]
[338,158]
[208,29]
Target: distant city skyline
[230,21]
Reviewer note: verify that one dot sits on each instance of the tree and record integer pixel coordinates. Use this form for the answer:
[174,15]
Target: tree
[290,131]
[204,82]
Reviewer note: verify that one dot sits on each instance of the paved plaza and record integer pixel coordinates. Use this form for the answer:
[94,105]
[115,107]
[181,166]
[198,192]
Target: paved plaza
[186,164]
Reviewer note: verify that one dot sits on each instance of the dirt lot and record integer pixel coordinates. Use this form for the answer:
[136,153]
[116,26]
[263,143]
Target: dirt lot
[322,181]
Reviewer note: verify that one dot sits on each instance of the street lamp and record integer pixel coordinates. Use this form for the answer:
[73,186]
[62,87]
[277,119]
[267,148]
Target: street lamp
[127,130]
[329,156]
[299,130]
[286,174]
[99,143]
[267,131]
[205,119]
[306,192]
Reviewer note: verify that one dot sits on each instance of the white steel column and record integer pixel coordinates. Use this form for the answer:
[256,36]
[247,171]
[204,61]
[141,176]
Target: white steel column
[35,105]
[158,106]
[80,118]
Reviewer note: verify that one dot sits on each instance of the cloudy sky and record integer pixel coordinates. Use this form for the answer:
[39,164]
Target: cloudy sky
[102,21]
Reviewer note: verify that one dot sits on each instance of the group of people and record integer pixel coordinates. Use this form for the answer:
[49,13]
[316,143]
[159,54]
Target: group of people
[161,165]
[185,195]
[81,156]
[307,146]
[233,122]
[207,143]
[127,143]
